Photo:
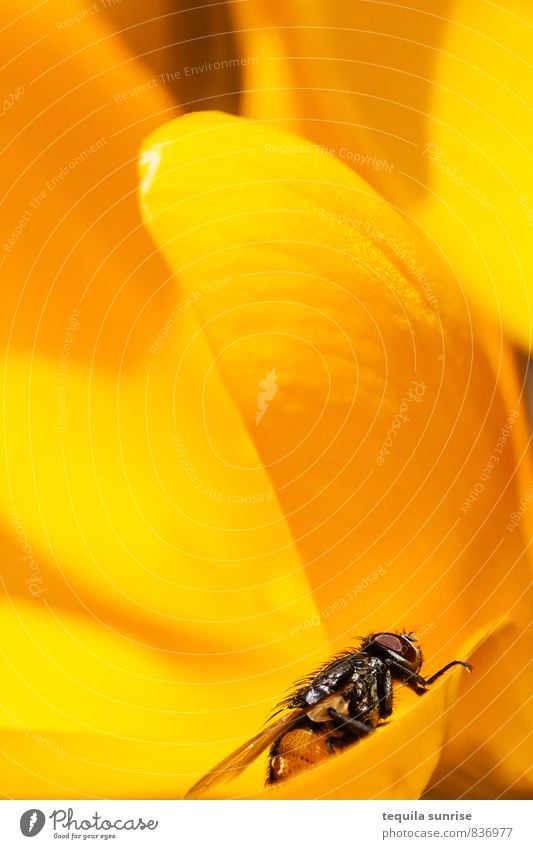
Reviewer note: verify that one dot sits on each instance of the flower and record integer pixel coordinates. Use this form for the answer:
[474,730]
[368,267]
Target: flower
[170,565]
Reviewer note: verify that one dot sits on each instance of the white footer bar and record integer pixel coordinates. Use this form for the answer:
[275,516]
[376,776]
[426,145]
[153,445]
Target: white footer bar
[266,824]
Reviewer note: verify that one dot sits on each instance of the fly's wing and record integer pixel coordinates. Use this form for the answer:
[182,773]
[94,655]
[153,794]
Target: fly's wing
[234,764]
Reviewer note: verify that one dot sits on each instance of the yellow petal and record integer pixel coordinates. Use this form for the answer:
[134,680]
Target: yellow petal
[106,527]
[69,679]
[432,107]
[400,522]
[490,726]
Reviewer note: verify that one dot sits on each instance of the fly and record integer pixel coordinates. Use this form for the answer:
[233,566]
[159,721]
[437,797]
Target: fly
[339,704]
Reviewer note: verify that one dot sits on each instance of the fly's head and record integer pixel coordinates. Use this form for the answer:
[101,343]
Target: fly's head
[397,650]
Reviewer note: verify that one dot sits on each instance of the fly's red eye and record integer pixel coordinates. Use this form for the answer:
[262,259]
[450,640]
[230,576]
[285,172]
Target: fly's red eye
[398,643]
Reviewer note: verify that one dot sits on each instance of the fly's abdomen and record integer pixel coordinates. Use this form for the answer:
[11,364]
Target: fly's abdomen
[296,751]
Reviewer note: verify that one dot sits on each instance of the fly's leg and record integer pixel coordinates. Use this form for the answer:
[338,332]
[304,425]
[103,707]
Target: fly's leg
[419,684]
[444,669]
[354,727]
[385,692]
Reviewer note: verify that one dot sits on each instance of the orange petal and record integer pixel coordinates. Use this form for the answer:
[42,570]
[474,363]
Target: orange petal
[190,47]
[431,106]
[72,234]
